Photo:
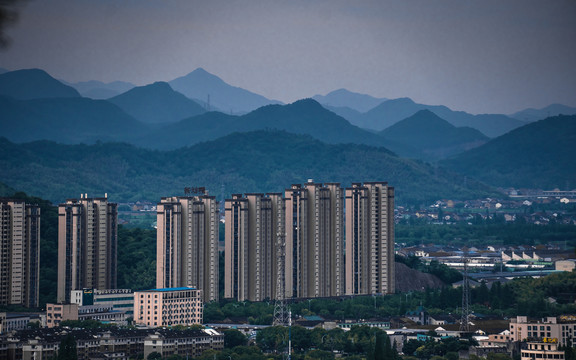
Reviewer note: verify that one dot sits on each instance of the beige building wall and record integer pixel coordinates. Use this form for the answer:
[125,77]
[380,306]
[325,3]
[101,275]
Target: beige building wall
[19,253]
[314,238]
[370,239]
[236,247]
[565,265]
[187,244]
[168,307]
[564,330]
[56,313]
[541,350]
[254,224]
[87,245]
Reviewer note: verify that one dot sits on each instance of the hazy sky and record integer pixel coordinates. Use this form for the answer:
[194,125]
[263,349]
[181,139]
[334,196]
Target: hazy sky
[480,56]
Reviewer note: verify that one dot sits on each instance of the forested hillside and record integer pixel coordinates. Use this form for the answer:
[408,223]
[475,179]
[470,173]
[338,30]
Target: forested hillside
[261,161]
[539,155]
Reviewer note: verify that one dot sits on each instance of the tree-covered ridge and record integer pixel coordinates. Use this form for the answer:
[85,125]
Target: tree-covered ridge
[260,161]
[538,156]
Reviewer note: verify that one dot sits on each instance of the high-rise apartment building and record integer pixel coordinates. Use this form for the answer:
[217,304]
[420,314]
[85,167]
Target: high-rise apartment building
[19,253]
[87,245]
[254,225]
[370,239]
[314,262]
[187,244]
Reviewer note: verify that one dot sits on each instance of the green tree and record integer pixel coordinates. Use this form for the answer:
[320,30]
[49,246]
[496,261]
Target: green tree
[154,356]
[233,338]
[67,349]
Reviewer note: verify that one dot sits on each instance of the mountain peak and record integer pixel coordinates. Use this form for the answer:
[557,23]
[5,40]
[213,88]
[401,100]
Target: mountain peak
[346,98]
[199,74]
[308,102]
[29,84]
[200,84]
[157,103]
[160,85]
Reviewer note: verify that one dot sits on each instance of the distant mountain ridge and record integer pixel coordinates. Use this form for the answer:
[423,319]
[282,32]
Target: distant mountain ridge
[530,115]
[30,84]
[390,112]
[99,90]
[200,84]
[433,136]
[343,98]
[539,155]
[157,103]
[301,117]
[66,120]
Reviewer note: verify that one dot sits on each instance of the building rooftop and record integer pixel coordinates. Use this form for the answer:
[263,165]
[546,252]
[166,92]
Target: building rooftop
[171,289]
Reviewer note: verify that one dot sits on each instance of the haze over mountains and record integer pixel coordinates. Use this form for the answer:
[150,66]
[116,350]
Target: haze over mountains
[343,98]
[99,90]
[202,85]
[433,136]
[35,106]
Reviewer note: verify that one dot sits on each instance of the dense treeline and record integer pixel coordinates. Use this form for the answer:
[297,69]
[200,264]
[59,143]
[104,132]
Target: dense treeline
[447,348]
[547,296]
[136,258]
[484,232]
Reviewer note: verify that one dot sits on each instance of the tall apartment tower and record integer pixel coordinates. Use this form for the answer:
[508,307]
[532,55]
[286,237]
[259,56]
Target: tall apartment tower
[19,253]
[87,245]
[314,261]
[370,239]
[187,244]
[254,224]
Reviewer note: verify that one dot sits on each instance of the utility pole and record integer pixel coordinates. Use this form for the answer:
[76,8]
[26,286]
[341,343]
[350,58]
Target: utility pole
[464,324]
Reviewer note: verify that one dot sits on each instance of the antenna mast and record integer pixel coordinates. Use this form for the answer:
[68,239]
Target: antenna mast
[280,308]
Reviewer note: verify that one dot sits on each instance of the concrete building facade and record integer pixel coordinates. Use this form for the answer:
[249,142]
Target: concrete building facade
[115,299]
[19,253]
[187,244]
[87,245]
[314,265]
[562,328]
[56,313]
[254,226]
[168,307]
[541,350]
[370,239]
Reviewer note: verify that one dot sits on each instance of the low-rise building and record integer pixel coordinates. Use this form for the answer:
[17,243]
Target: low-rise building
[541,350]
[110,343]
[562,328]
[56,313]
[168,307]
[186,343]
[117,299]
[565,265]
[105,314]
